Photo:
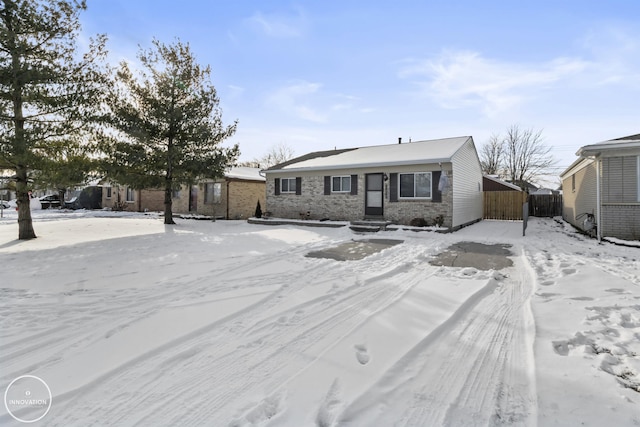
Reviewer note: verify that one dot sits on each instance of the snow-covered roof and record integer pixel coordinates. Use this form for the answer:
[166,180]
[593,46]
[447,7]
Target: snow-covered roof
[626,142]
[409,153]
[246,173]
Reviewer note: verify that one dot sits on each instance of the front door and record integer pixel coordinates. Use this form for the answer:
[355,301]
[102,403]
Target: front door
[193,198]
[374,183]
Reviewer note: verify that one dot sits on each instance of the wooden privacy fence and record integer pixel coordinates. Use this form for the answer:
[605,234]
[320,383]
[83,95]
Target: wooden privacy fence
[506,205]
[545,205]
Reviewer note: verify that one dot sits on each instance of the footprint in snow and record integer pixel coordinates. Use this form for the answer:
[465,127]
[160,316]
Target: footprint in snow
[547,283]
[362,354]
[568,271]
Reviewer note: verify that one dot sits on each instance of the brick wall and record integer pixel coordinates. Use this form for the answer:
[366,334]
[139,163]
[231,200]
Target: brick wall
[243,198]
[347,207]
[243,195]
[621,221]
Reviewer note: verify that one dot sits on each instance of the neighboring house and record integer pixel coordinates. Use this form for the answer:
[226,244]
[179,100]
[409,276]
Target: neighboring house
[397,182]
[524,185]
[234,196]
[612,196]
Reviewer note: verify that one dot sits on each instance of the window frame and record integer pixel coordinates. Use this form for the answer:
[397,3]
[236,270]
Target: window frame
[108,192]
[415,197]
[341,179]
[217,193]
[212,193]
[130,196]
[288,190]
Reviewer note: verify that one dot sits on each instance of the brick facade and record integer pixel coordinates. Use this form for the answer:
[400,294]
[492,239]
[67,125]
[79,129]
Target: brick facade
[346,206]
[238,199]
[621,221]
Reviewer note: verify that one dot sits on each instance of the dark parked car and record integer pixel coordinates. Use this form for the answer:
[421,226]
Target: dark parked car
[50,201]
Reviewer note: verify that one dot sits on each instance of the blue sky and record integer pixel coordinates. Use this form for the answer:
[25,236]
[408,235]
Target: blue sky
[324,74]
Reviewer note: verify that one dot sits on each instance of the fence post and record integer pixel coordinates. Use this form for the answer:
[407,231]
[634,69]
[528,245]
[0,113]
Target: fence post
[525,217]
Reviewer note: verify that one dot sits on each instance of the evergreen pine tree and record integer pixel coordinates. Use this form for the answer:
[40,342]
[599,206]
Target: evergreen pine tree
[169,126]
[47,94]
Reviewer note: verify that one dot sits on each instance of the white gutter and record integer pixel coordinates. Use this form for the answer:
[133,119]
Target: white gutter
[374,165]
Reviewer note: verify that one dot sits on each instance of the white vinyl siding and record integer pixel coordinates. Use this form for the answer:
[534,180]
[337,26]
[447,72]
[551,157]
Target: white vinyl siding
[466,185]
[620,181]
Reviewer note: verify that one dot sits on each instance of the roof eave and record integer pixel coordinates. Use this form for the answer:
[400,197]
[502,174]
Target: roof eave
[361,165]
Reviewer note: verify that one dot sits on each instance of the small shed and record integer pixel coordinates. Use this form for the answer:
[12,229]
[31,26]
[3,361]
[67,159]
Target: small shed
[502,200]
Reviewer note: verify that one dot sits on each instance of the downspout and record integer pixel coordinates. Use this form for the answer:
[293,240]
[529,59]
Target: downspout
[598,200]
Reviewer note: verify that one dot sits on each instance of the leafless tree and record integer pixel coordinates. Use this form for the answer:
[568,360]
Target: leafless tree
[491,155]
[526,157]
[278,153]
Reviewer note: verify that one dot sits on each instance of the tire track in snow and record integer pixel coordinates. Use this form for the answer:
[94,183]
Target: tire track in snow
[475,369]
[256,369]
[229,366]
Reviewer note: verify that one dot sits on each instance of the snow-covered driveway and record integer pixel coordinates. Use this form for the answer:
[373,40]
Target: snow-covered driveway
[229,324]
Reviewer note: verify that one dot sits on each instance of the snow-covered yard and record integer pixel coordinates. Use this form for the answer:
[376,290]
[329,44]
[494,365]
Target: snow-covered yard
[130,322]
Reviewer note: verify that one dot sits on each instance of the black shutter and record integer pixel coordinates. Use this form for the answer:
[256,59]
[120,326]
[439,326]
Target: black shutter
[393,187]
[436,195]
[327,185]
[354,185]
[298,186]
[277,185]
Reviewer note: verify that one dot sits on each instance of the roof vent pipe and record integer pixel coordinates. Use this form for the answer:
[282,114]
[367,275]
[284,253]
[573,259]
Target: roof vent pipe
[399,140]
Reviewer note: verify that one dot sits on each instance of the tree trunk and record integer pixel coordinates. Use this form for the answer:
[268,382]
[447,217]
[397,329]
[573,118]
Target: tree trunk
[168,203]
[25,225]
[61,193]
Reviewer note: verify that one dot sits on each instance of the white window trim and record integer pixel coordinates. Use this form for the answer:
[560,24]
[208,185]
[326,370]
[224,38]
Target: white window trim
[288,191]
[126,195]
[400,197]
[348,190]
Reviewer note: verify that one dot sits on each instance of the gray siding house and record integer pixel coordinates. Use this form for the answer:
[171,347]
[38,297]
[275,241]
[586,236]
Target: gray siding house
[604,182]
[397,183]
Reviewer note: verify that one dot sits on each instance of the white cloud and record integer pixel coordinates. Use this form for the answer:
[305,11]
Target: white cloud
[295,98]
[616,53]
[279,25]
[465,79]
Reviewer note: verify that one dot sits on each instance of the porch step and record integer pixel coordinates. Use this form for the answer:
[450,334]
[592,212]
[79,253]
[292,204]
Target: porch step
[369,225]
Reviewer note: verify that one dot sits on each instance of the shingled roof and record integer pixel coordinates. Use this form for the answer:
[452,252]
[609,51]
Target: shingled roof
[310,156]
[410,153]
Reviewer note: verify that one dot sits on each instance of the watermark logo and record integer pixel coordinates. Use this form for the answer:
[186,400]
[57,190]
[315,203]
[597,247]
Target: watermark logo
[27,399]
